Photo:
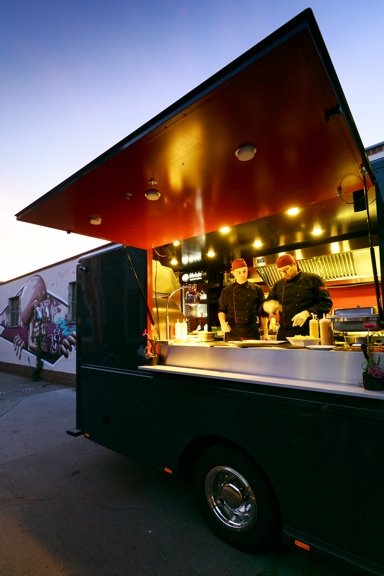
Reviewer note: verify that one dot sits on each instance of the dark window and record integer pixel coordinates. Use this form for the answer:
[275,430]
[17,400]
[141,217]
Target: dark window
[14,311]
[72,301]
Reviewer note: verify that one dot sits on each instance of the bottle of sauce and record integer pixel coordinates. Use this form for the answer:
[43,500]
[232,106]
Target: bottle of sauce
[314,327]
[326,332]
[184,331]
[172,331]
[177,331]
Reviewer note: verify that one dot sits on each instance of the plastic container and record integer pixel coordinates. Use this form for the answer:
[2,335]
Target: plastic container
[314,329]
[177,331]
[184,331]
[326,332]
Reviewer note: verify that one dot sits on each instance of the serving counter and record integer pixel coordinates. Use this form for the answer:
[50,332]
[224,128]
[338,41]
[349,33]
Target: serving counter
[333,371]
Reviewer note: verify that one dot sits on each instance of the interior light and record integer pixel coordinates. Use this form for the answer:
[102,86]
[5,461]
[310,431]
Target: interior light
[176,243]
[95,220]
[152,194]
[257,244]
[211,254]
[317,231]
[245,153]
[224,230]
[293,211]
[174,261]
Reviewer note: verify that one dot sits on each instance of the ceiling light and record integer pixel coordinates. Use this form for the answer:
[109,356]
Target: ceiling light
[224,230]
[152,193]
[257,244]
[174,261]
[246,152]
[317,231]
[96,220]
[176,243]
[211,254]
[293,211]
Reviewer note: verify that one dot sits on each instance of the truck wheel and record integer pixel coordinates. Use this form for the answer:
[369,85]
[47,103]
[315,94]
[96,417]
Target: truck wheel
[236,499]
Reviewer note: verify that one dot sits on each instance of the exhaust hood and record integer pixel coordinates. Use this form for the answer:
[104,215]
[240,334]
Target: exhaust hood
[335,269]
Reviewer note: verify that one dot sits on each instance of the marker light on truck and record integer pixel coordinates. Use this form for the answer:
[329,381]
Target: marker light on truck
[302,545]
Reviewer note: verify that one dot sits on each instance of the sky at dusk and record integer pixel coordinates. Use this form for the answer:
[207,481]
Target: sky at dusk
[77,76]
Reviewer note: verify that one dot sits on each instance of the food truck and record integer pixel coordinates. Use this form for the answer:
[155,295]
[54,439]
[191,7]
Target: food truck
[281,441]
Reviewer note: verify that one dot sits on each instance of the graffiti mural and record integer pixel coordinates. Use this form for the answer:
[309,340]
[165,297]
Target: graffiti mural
[42,321]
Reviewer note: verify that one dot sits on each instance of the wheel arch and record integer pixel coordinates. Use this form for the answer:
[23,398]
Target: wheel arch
[197,446]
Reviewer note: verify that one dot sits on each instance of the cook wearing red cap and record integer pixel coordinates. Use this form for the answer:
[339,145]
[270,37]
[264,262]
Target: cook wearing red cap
[239,306]
[297,296]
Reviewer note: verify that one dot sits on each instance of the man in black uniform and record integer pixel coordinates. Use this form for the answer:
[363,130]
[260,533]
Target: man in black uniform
[239,305]
[297,295]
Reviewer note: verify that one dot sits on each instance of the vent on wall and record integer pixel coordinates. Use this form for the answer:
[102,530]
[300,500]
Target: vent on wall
[329,267]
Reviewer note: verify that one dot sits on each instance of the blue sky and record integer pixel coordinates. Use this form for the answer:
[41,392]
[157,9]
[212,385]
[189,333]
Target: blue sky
[78,76]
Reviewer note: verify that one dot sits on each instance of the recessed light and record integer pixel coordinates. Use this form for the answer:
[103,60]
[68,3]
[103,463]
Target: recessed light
[95,220]
[245,153]
[293,211]
[153,194]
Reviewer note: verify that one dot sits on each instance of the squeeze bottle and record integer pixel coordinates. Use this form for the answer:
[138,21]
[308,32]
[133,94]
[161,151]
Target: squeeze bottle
[178,330]
[184,331]
[314,327]
[326,333]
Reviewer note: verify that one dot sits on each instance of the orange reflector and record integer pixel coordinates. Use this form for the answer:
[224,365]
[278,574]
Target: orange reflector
[168,471]
[87,435]
[302,545]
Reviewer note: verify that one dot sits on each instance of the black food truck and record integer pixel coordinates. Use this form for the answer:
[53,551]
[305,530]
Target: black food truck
[282,441]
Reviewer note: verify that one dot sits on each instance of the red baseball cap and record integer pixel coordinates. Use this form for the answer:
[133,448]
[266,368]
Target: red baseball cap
[285,260]
[239,263]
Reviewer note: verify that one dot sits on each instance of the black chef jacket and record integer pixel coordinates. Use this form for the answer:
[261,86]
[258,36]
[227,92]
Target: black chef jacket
[305,291]
[240,303]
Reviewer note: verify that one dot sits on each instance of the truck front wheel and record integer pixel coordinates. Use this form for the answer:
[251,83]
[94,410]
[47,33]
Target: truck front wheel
[236,499]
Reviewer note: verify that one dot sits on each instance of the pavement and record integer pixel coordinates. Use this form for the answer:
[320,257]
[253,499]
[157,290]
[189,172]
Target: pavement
[72,508]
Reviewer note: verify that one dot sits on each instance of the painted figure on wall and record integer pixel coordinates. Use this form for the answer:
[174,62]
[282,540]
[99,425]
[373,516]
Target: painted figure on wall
[43,321]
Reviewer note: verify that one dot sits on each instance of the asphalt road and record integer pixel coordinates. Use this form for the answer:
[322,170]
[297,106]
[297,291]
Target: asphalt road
[72,508]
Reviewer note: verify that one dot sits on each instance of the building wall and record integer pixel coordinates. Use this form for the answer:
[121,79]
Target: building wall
[41,319]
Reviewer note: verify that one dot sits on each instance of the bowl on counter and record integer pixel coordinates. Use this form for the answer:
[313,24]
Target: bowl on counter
[303,341]
[206,336]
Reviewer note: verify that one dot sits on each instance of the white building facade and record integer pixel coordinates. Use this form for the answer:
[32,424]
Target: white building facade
[38,324]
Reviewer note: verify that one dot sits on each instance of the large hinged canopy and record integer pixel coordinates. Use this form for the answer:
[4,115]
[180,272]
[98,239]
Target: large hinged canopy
[282,96]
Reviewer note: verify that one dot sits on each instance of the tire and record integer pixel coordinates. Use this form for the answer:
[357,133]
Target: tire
[236,499]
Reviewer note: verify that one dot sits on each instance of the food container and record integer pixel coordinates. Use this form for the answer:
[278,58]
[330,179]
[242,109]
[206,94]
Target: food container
[206,336]
[353,319]
[355,339]
[303,341]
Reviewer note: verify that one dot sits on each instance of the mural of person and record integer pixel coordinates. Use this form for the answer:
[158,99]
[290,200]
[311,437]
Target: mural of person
[42,322]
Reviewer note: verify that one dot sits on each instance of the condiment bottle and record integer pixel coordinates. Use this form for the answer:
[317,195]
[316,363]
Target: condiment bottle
[177,331]
[172,331]
[314,327]
[326,332]
[184,331]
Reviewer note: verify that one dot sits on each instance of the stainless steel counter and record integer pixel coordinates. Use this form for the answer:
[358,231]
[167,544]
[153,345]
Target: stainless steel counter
[332,371]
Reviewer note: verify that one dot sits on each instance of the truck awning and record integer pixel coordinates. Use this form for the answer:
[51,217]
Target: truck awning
[282,96]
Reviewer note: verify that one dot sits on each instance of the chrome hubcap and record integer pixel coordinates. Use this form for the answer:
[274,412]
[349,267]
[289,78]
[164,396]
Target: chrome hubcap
[231,498]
